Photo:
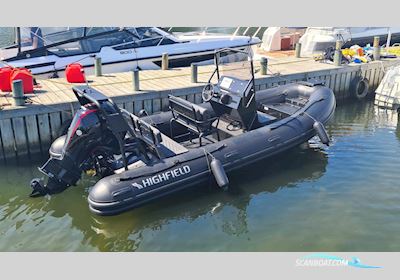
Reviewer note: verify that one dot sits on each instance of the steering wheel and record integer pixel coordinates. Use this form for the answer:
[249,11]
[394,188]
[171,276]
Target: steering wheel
[208,92]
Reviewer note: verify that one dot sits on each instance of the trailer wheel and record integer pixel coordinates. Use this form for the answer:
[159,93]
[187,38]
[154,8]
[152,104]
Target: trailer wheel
[359,87]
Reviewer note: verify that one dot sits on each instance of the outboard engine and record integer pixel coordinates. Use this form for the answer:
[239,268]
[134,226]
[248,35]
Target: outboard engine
[88,141]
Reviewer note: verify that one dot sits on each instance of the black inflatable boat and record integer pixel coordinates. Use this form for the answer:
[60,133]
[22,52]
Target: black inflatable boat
[144,158]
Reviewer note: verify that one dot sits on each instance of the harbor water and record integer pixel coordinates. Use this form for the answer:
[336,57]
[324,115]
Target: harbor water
[344,197]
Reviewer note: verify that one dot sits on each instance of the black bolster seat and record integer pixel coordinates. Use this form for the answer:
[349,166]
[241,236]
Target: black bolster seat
[196,118]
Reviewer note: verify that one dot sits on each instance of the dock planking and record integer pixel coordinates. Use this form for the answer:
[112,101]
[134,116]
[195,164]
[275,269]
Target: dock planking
[29,130]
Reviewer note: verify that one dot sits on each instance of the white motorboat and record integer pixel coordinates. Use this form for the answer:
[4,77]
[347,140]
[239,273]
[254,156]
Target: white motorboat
[47,51]
[318,39]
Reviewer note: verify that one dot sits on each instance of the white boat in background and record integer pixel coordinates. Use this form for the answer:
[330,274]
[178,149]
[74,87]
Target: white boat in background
[273,38]
[46,51]
[387,95]
[318,39]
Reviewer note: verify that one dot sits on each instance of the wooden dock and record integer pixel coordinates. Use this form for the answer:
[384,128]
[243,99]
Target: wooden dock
[29,130]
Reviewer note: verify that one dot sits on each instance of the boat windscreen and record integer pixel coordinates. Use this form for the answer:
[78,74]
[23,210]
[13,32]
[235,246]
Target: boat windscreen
[42,36]
[235,64]
[151,36]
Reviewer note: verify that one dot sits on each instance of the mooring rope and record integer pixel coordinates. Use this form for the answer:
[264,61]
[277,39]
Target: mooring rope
[206,155]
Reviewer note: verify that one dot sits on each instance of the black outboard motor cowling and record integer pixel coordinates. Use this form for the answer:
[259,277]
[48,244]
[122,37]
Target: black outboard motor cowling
[70,154]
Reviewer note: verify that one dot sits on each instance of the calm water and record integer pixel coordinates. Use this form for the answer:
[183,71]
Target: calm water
[345,197]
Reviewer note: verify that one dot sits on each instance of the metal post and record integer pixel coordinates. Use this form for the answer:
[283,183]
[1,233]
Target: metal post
[337,58]
[298,49]
[193,68]
[18,35]
[18,93]
[338,45]
[264,65]
[97,67]
[164,61]
[389,37]
[377,49]
[135,80]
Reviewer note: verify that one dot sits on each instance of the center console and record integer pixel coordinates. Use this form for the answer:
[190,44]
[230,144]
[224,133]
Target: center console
[235,98]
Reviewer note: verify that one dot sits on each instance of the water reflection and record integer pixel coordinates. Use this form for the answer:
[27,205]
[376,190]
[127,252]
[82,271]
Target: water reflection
[271,205]
[66,215]
[228,210]
[362,117]
[387,118]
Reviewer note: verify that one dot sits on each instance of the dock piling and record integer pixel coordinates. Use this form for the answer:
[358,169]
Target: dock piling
[18,93]
[97,66]
[193,70]
[297,50]
[377,49]
[337,58]
[264,65]
[164,61]
[135,80]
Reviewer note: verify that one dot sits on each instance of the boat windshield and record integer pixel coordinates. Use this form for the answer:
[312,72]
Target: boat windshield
[41,36]
[70,41]
[235,64]
[66,41]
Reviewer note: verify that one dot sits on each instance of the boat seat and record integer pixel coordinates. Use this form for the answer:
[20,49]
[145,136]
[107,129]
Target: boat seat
[149,133]
[164,145]
[159,142]
[195,118]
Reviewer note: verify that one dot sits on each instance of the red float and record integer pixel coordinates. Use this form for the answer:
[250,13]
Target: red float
[5,74]
[75,73]
[26,76]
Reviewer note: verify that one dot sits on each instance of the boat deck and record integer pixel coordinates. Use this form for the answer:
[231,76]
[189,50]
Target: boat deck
[231,128]
[173,146]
